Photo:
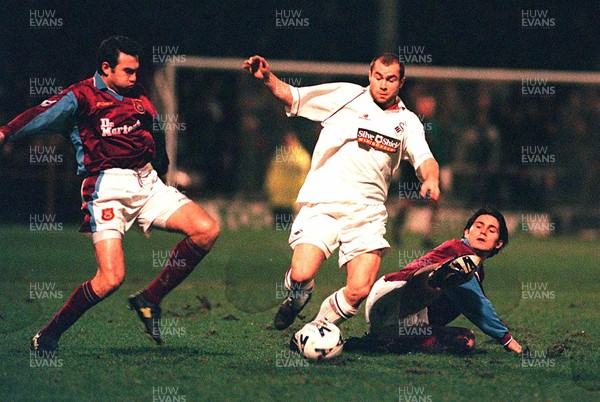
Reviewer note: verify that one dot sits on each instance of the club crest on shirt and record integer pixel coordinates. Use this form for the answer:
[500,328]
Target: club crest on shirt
[108,214]
[377,141]
[400,127]
[139,106]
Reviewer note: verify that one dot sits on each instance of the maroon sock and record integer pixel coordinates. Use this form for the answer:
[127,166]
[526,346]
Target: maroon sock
[82,299]
[182,261]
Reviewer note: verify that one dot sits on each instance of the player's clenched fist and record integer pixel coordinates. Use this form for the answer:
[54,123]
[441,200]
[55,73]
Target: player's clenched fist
[258,67]
[1,137]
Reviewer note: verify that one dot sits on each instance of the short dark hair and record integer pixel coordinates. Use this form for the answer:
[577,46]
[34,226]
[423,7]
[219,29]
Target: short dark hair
[503,230]
[388,59]
[110,48]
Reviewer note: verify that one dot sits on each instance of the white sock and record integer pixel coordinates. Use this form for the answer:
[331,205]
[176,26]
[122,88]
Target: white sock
[336,309]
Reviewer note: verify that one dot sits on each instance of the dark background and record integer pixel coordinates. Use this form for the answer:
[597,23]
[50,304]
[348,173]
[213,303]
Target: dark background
[458,33]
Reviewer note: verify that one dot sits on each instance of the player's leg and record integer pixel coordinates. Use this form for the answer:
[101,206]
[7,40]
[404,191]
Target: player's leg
[111,266]
[299,283]
[362,228]
[313,238]
[382,309]
[426,284]
[361,274]
[166,208]
[201,231]
[109,276]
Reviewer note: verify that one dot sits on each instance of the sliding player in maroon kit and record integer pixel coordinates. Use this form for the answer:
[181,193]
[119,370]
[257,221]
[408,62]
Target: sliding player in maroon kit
[410,309]
[111,124]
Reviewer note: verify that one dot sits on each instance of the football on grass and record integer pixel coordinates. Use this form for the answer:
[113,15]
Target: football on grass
[318,340]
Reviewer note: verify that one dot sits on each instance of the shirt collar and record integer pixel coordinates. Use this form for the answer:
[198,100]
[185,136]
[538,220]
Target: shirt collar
[397,106]
[99,83]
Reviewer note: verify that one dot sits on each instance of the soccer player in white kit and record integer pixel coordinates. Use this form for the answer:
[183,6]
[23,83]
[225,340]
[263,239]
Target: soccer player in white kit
[366,132]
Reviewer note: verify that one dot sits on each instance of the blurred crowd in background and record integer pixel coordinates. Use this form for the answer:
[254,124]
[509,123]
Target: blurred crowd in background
[493,142]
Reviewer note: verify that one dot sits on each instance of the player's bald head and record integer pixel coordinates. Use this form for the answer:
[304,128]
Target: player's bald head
[388,59]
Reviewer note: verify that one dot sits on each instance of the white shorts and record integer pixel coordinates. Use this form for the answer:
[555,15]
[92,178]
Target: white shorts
[116,198]
[382,310]
[355,228]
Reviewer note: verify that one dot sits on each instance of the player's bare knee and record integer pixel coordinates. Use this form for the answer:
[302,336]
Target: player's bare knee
[301,272]
[105,284]
[298,275]
[355,295]
[205,233]
[209,228]
[113,282]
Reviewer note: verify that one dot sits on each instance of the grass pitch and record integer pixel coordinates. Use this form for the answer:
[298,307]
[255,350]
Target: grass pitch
[221,346]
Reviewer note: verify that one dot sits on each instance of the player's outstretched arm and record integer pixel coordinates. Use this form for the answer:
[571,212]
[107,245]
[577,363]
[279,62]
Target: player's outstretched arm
[429,170]
[259,68]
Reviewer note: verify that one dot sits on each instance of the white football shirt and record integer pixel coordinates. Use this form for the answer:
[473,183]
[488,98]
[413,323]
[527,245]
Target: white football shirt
[360,145]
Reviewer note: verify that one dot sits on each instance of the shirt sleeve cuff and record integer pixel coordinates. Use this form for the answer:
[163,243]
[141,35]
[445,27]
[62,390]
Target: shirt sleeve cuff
[292,111]
[505,340]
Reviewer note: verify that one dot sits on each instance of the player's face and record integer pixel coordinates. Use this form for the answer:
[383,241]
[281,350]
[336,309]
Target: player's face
[484,234]
[384,83]
[123,77]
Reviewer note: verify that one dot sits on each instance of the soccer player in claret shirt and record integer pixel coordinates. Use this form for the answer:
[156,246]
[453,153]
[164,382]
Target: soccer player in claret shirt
[366,132]
[410,309]
[111,124]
